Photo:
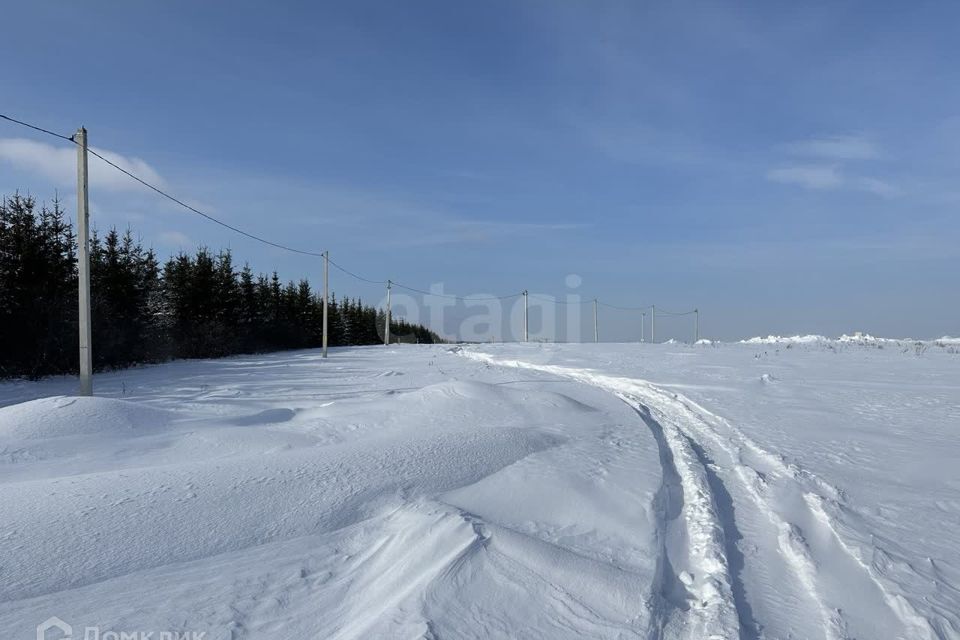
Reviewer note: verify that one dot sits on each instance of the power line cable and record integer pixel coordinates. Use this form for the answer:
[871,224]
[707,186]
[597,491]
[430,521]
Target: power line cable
[168,196]
[235,229]
[537,296]
[672,313]
[420,291]
[201,213]
[315,253]
[614,306]
[454,297]
[353,275]
[36,128]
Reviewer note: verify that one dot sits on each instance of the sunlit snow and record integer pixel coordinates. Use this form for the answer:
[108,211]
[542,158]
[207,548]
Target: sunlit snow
[782,487]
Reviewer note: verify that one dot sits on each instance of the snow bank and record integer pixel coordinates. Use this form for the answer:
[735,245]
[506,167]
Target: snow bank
[807,339]
[64,416]
[857,338]
[866,338]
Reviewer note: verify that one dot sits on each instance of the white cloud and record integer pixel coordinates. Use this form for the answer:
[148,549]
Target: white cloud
[636,143]
[835,154]
[809,176]
[464,231]
[397,220]
[59,164]
[841,147]
[878,187]
[830,177]
[175,239]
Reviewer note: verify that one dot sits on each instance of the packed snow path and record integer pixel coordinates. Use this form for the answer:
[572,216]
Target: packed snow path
[497,491]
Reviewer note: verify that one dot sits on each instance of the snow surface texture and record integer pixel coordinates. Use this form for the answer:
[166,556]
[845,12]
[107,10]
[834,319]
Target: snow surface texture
[799,489]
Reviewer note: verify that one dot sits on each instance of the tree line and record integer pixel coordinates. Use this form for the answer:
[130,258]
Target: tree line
[192,306]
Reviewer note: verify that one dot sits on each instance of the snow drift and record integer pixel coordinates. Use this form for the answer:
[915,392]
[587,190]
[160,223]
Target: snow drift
[496,491]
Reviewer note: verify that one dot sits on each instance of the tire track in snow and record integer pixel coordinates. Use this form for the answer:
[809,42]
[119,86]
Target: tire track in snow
[696,602]
[795,552]
[703,589]
[807,491]
[667,591]
[769,482]
[790,537]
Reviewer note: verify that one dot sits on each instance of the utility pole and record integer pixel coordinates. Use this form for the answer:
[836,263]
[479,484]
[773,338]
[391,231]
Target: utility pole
[526,325]
[653,323]
[326,295]
[83,265]
[596,327]
[696,315]
[643,321]
[386,332]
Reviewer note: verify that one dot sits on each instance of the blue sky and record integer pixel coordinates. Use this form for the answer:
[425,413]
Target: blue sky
[785,167]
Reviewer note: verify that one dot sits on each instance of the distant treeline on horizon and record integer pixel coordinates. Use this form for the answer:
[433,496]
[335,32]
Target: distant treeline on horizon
[192,306]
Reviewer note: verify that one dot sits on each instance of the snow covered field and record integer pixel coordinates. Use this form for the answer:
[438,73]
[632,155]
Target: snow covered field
[805,489]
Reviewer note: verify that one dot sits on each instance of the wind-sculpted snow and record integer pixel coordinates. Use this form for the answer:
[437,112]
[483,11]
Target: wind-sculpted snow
[293,497]
[234,504]
[496,491]
[62,416]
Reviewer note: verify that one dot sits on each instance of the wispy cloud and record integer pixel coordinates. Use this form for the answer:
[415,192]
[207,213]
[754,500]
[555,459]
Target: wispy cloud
[174,239]
[637,143]
[59,164]
[827,167]
[809,176]
[878,187]
[396,220]
[838,147]
[824,177]
[480,231]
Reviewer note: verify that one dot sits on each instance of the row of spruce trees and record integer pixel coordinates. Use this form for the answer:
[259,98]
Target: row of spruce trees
[193,306]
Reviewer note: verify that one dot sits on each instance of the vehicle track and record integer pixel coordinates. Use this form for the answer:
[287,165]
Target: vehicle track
[791,547]
[693,593]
